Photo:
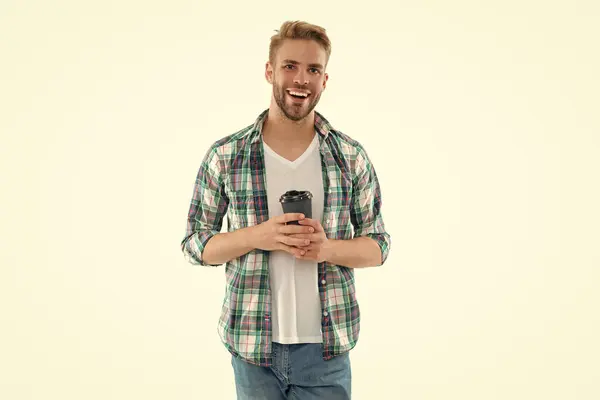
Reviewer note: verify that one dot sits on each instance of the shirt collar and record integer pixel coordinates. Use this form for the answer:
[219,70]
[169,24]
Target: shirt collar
[322,126]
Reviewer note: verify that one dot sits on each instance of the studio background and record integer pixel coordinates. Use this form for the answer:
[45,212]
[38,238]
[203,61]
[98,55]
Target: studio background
[481,119]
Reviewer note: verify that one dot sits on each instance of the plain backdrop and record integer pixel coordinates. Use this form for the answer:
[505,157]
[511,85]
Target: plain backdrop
[481,118]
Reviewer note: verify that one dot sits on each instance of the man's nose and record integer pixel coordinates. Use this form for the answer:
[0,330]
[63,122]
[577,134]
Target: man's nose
[301,79]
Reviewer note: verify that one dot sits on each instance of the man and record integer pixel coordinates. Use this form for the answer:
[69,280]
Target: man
[290,314]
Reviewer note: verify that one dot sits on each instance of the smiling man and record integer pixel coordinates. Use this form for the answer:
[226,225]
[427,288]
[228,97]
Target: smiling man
[290,315]
[298,92]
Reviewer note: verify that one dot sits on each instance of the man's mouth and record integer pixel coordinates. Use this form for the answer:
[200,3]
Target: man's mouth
[298,95]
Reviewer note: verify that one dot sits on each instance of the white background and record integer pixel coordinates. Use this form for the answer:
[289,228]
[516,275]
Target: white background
[481,119]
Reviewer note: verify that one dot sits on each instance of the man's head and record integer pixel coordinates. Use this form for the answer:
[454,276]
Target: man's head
[298,57]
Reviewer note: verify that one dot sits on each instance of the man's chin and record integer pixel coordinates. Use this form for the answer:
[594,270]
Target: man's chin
[295,113]
[295,116]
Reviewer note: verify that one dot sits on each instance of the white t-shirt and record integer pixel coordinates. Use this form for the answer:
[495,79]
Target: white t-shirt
[296,305]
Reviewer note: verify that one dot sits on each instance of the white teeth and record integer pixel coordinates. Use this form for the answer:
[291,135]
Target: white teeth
[298,93]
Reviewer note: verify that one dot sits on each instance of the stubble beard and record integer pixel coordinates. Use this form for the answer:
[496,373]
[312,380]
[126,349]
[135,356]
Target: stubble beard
[291,111]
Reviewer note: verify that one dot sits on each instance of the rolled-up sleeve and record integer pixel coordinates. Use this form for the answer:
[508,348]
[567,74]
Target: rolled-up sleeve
[366,214]
[207,208]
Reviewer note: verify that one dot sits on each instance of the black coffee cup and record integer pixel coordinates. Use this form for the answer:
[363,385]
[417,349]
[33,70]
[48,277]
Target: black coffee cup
[297,201]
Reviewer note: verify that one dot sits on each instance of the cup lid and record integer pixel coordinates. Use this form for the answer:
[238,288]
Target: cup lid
[295,195]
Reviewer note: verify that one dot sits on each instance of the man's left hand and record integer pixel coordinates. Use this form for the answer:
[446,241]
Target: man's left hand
[319,248]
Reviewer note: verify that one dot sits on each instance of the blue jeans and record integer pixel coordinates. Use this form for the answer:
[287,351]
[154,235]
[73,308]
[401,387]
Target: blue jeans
[298,372]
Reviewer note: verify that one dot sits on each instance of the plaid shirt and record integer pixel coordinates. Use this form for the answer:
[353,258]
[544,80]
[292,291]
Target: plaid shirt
[231,181]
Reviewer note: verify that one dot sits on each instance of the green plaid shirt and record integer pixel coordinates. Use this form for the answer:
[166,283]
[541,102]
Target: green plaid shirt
[231,182]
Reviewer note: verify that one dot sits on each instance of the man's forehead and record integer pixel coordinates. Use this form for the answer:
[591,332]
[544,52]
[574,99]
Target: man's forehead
[302,52]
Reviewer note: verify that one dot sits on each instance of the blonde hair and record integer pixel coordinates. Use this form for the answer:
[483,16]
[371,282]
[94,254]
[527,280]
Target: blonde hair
[299,30]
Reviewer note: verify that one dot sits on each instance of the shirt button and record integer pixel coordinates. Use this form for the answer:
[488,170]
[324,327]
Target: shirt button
[325,313]
[323,282]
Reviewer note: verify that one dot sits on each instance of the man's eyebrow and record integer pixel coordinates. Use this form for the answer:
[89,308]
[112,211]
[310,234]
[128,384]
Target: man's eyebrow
[316,65]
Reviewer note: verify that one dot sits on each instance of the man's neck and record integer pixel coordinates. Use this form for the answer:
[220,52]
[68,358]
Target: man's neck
[278,128]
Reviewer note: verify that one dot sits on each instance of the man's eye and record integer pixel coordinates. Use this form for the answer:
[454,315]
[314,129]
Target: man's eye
[316,71]
[288,65]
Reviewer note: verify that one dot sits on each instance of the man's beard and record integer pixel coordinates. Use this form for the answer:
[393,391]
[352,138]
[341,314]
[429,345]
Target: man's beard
[292,111]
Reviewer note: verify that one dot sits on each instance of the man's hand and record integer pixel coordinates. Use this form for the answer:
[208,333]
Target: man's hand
[319,248]
[274,234]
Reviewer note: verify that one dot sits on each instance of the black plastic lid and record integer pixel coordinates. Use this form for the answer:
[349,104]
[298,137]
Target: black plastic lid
[295,195]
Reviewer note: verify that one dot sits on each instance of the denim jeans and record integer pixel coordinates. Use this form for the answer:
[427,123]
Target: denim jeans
[298,372]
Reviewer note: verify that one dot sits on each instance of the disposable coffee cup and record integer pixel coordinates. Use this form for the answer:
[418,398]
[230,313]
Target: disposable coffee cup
[297,201]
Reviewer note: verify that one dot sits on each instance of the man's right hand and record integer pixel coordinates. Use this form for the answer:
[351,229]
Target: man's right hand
[273,234]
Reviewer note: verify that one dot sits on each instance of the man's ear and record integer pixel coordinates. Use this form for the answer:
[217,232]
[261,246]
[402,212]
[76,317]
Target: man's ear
[325,80]
[269,72]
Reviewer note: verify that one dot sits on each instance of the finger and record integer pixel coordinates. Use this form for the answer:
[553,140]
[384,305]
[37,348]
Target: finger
[291,250]
[313,237]
[295,229]
[299,236]
[308,248]
[289,217]
[316,225]
[307,221]
[300,243]
[306,256]
[298,252]
[290,241]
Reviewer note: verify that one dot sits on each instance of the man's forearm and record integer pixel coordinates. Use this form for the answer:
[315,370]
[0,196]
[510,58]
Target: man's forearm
[360,252]
[226,246]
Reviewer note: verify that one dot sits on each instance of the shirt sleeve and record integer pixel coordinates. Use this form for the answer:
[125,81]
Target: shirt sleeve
[365,212]
[208,207]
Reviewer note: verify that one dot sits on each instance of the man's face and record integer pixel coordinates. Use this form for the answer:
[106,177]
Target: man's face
[298,77]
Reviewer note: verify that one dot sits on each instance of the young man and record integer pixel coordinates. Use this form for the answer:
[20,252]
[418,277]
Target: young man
[290,314]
